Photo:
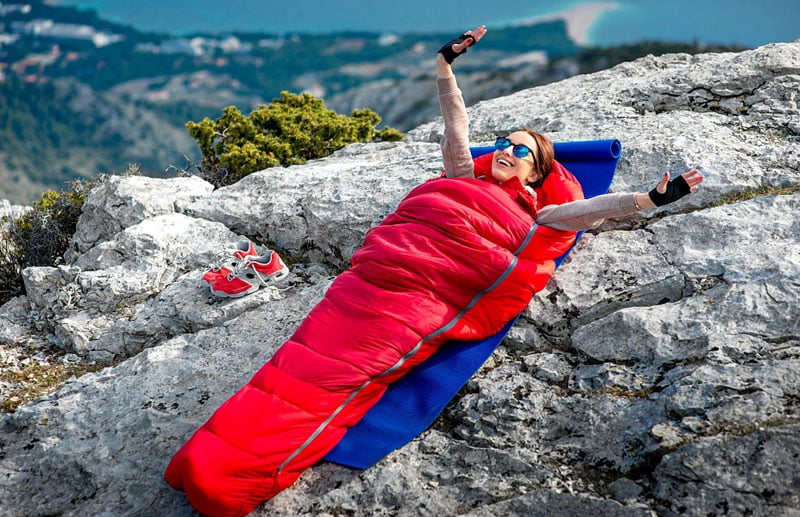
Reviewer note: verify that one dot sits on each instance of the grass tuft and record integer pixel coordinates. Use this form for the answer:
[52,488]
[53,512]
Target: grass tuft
[38,379]
[755,192]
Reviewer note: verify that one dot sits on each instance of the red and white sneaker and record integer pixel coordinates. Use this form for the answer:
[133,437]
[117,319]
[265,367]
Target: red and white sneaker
[230,259]
[249,275]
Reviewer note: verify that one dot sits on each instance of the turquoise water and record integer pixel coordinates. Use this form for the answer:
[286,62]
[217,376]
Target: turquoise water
[706,21]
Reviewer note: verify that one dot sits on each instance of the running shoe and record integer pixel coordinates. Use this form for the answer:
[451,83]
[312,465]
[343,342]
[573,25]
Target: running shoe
[249,275]
[269,266]
[228,260]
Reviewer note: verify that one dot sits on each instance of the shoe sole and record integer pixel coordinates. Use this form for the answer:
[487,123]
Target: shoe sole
[223,294]
[279,275]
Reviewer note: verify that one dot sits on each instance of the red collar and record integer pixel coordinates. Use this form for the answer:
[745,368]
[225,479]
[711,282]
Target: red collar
[526,198]
[518,192]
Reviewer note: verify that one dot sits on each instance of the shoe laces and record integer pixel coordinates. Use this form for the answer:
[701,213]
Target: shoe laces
[223,258]
[241,265]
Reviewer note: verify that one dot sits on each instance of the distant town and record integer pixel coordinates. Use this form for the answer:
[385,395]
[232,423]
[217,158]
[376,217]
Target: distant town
[33,46]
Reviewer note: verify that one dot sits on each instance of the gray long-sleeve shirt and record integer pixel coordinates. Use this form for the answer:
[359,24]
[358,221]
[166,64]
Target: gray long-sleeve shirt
[572,216]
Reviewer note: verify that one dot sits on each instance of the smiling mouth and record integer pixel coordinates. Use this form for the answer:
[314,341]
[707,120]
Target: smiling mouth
[503,162]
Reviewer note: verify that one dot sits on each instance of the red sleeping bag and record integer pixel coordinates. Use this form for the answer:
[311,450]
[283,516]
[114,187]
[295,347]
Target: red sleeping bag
[458,259]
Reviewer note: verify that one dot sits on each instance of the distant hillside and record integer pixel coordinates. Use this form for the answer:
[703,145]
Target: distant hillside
[80,95]
[62,129]
[49,41]
[406,103]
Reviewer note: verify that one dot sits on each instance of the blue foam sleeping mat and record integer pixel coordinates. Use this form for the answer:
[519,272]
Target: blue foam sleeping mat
[411,404]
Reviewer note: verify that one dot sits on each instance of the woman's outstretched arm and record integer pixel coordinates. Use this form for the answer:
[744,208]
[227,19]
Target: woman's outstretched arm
[589,213]
[455,143]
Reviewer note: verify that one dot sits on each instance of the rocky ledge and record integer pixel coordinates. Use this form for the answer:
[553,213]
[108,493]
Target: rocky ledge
[657,374]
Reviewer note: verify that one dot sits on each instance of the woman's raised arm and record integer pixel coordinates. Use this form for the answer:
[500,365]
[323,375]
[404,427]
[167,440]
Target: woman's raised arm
[455,143]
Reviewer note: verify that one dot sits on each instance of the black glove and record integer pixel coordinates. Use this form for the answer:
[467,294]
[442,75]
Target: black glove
[676,189]
[448,52]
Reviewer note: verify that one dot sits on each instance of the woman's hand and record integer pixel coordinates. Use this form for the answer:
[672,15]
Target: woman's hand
[669,191]
[455,47]
[692,178]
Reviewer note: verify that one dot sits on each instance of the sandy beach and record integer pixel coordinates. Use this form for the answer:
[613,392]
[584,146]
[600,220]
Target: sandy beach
[579,19]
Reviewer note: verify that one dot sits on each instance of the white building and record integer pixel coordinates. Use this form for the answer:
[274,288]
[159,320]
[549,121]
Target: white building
[48,28]
[10,8]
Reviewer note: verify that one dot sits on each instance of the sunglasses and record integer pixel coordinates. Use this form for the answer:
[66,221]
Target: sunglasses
[520,151]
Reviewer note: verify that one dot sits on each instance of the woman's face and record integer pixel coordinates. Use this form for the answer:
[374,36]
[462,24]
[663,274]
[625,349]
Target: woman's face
[506,165]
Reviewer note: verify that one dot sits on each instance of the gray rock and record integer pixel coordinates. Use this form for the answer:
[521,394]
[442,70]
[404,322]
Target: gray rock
[624,490]
[602,430]
[549,504]
[759,239]
[185,306]
[737,396]
[752,474]
[103,288]
[652,96]
[11,211]
[437,475]
[526,337]
[649,336]
[319,212]
[548,367]
[123,201]
[14,328]
[739,267]
[76,333]
[609,378]
[105,438]
[614,270]
[145,258]
[46,287]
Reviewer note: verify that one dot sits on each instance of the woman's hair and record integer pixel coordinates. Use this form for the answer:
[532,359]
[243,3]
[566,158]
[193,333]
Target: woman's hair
[546,155]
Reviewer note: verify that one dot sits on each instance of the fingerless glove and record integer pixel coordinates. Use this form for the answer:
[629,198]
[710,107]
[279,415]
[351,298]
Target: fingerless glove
[447,50]
[676,189]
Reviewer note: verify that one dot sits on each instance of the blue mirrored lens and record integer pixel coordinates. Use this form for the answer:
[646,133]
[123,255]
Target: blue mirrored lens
[501,143]
[521,151]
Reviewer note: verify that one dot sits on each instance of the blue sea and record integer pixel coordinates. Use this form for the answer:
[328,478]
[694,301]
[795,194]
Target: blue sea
[746,23]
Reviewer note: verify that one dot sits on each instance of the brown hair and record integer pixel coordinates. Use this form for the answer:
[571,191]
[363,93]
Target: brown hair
[546,155]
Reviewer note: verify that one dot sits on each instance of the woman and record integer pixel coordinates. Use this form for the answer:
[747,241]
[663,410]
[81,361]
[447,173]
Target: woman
[525,159]
[457,260]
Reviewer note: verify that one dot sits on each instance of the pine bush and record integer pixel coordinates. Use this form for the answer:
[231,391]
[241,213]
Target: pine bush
[289,131]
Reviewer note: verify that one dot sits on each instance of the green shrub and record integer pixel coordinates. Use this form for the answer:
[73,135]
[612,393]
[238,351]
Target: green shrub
[41,236]
[10,279]
[291,130]
[389,134]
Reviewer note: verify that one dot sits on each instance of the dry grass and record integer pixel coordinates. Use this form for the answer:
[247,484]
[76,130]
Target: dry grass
[36,380]
[752,193]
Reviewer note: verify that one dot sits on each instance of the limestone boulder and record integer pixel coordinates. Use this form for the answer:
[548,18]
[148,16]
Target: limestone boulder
[319,212]
[104,287]
[123,201]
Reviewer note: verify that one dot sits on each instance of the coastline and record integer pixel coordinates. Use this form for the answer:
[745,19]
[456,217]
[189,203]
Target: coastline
[579,19]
